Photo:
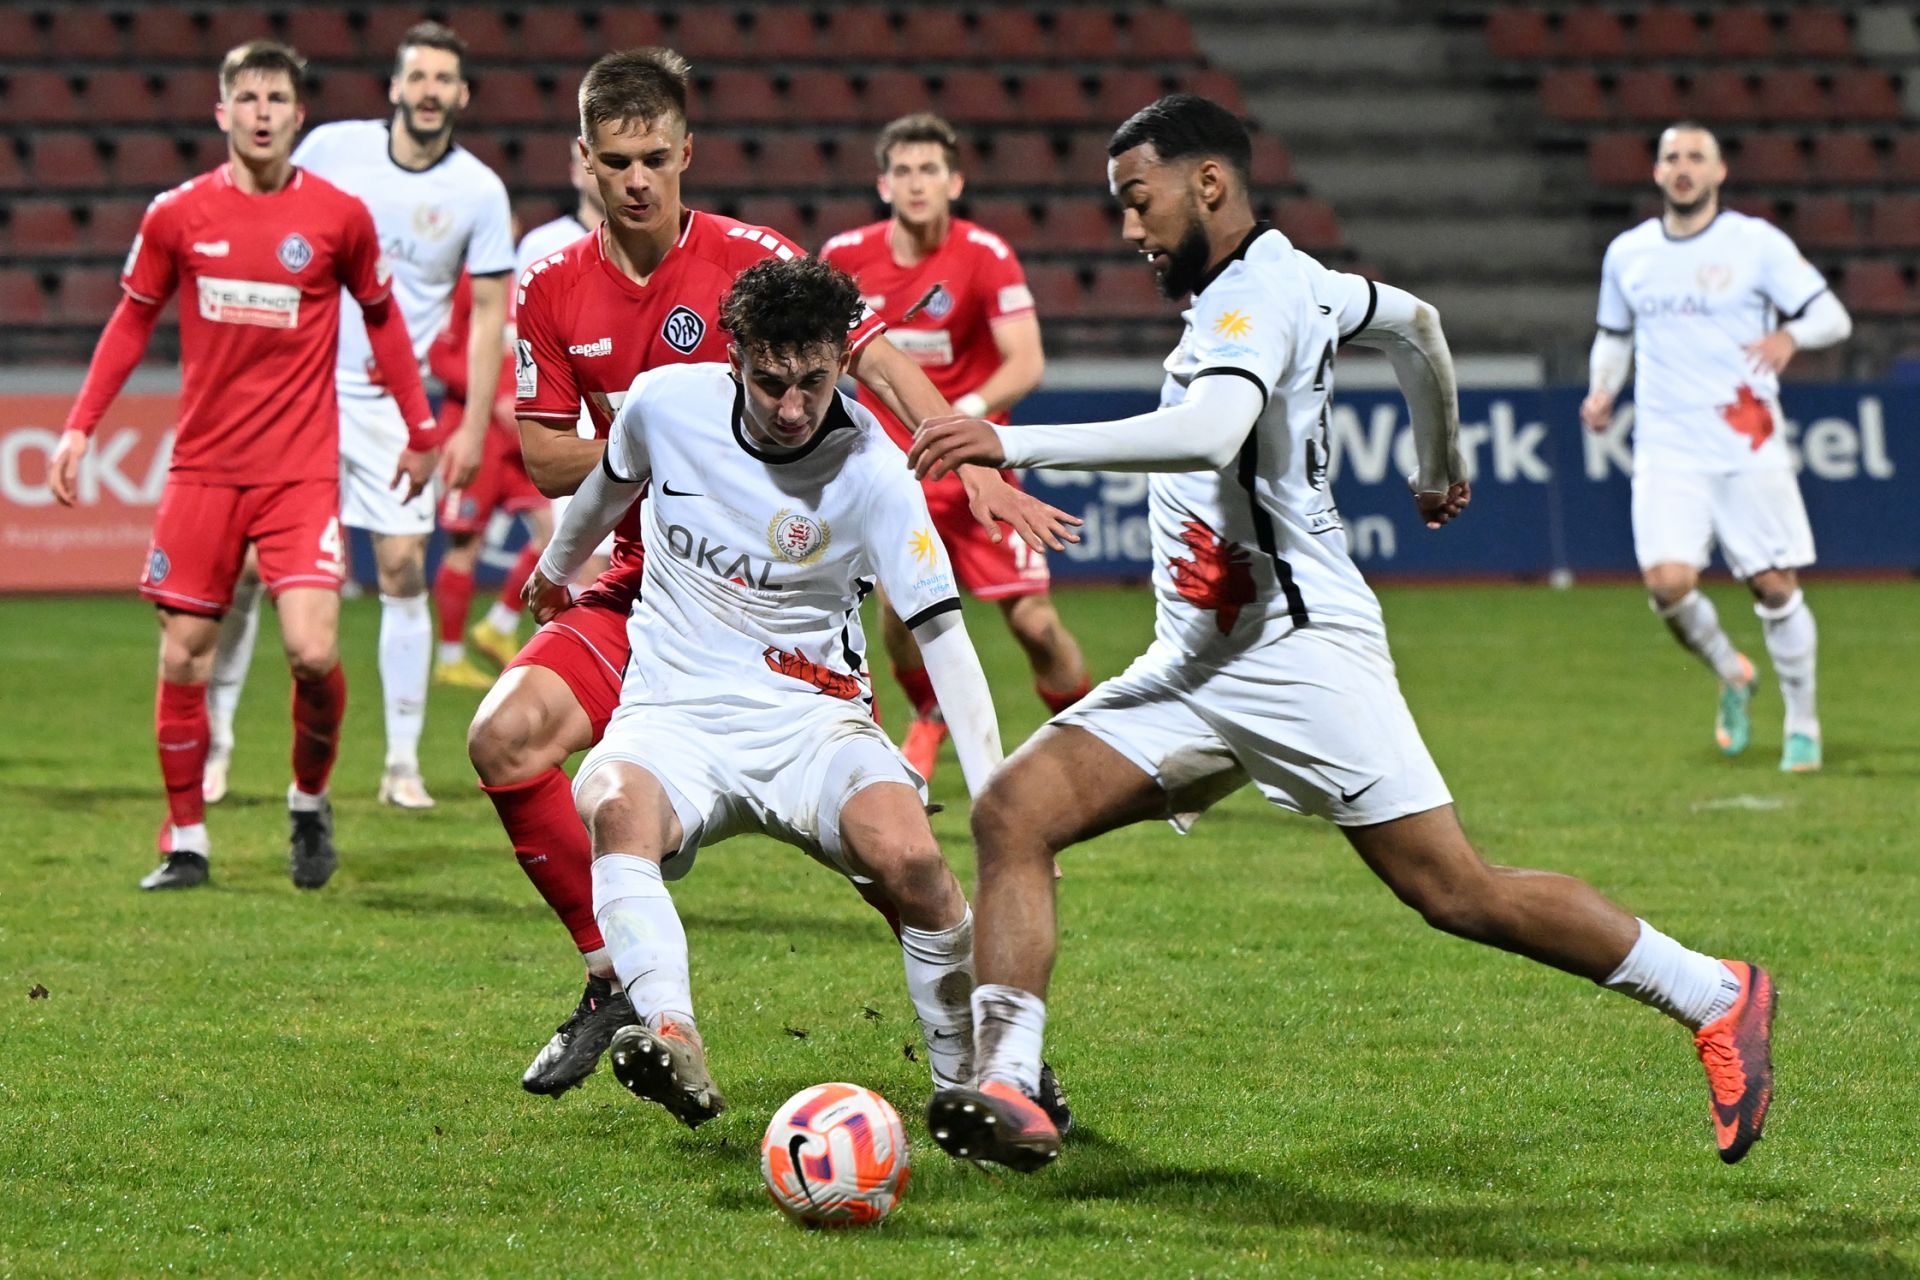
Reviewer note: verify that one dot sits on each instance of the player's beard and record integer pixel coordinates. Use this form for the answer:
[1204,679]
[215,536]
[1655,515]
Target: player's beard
[427,137]
[1687,208]
[1186,264]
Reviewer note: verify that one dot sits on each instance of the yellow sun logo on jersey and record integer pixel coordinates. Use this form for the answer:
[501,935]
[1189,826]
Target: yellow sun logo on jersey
[922,546]
[1233,324]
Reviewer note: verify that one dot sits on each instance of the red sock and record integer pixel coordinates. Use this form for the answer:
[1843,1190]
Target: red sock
[1058,702]
[180,727]
[552,847]
[318,708]
[919,688]
[517,576]
[452,599]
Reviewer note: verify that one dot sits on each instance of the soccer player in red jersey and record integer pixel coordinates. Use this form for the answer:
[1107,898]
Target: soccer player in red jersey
[642,292]
[264,249]
[501,484]
[955,299]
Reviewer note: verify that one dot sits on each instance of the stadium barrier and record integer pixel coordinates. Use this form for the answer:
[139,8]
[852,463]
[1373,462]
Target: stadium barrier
[1549,498]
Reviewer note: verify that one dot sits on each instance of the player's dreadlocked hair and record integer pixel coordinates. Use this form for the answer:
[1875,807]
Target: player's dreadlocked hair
[792,306]
[922,126]
[636,84]
[266,57]
[1185,124]
[431,35]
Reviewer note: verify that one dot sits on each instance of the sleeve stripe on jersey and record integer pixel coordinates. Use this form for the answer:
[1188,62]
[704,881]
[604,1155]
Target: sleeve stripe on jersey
[1801,310]
[606,465]
[1250,376]
[548,415]
[934,610]
[1373,304]
[137,296]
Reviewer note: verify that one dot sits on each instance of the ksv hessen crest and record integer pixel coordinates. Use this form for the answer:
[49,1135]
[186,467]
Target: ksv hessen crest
[796,538]
[295,253]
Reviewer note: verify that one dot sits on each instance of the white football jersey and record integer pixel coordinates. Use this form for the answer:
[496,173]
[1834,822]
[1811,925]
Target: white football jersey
[757,563]
[433,223]
[1244,555]
[1692,305]
[548,237]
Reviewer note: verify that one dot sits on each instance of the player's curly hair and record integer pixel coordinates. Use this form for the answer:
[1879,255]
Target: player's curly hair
[1183,125]
[265,57]
[791,306]
[634,84]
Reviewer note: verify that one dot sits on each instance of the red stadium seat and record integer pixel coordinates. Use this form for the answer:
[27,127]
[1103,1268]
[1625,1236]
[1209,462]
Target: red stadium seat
[782,33]
[1126,291]
[1744,31]
[1018,160]
[87,295]
[847,159]
[188,95]
[1771,159]
[1048,97]
[506,95]
[629,28]
[1620,159]
[861,34]
[554,35]
[1592,33]
[41,228]
[490,149]
[790,160]
[1006,34]
[111,225]
[543,160]
[1825,222]
[1573,93]
[1878,289]
[1086,162]
[13,171]
[720,160]
[1845,159]
[1666,32]
[975,96]
[148,160]
[1124,92]
[1753,206]
[66,161]
[227,28]
[842,213]
[891,92]
[824,96]
[1056,289]
[167,34]
[20,34]
[709,34]
[1894,222]
[1860,94]
[485,30]
[1159,35]
[349,95]
[1903,162]
[39,97]
[1648,95]
[1272,163]
[83,33]
[386,24]
[1726,94]
[933,32]
[323,34]
[1083,225]
[1085,34]
[777,212]
[1790,93]
[1311,225]
[740,94]
[22,301]
[1814,32]
[1520,32]
[1011,219]
[1220,86]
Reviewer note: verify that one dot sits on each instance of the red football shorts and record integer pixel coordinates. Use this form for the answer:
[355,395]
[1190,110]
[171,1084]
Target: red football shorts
[587,647]
[989,570]
[501,484]
[201,532]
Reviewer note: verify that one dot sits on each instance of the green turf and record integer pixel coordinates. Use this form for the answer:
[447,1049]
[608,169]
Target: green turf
[1277,1069]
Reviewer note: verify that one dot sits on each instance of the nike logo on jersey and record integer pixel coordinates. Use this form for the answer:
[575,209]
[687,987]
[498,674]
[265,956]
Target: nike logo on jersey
[1346,798]
[672,492]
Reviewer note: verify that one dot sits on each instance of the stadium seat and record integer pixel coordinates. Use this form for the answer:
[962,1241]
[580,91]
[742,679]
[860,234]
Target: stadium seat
[861,34]
[1048,97]
[934,33]
[1620,159]
[202,151]
[13,171]
[1861,94]
[167,34]
[1725,94]
[1744,31]
[842,213]
[738,95]
[1084,224]
[386,24]
[975,96]
[1056,287]
[1159,35]
[490,148]
[1212,82]
[1903,162]
[1893,222]
[778,212]
[1791,93]
[1878,289]
[322,33]
[1593,34]
[20,34]
[782,33]
[39,97]
[1272,163]
[65,161]
[554,35]
[1825,222]
[892,92]
[506,95]
[1648,95]
[1664,31]
[87,295]
[83,33]
[1771,159]
[541,161]
[1126,291]
[349,95]
[1520,32]
[1311,225]
[187,95]
[485,30]
[624,27]
[1815,32]
[790,160]
[1009,35]
[709,34]
[847,160]
[227,28]
[111,225]
[1018,160]
[1085,34]
[1845,159]
[41,229]
[147,160]
[1085,165]
[824,96]
[1011,219]
[1123,92]
[1573,93]
[22,300]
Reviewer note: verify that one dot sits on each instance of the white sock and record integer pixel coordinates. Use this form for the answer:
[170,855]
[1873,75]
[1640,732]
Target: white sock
[1685,985]
[1696,625]
[644,936]
[406,641]
[232,655]
[192,839]
[449,652]
[299,801]
[599,963]
[1793,642]
[502,619]
[1008,1025]
[940,981]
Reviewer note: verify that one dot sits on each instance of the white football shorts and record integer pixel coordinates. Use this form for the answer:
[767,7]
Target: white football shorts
[1756,517]
[1315,720]
[783,771]
[372,438]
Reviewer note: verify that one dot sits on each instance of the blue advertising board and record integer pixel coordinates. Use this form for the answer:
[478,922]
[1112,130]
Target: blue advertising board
[1548,496]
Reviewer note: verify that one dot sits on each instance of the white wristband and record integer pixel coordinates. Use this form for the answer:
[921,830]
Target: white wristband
[972,404]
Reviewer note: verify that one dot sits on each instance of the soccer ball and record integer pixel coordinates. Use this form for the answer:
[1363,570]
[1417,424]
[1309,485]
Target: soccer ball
[835,1156]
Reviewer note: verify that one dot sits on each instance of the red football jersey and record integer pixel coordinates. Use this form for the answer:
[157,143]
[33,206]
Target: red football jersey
[584,331]
[961,290]
[259,328]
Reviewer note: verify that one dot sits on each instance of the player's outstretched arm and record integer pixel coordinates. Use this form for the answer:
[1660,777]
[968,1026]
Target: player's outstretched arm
[122,344]
[966,701]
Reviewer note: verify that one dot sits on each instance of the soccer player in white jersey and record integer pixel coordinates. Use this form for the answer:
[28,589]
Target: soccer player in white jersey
[1708,306]
[1269,660]
[438,209]
[776,505]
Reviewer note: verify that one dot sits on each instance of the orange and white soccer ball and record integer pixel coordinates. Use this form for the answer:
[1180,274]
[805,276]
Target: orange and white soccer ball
[835,1156]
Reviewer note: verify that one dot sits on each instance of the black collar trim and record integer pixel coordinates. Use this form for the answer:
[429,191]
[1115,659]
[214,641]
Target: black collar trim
[1259,229]
[445,156]
[1692,235]
[838,419]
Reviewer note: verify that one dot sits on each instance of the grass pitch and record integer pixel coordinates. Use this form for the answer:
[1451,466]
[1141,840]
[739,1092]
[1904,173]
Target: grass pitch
[1276,1068]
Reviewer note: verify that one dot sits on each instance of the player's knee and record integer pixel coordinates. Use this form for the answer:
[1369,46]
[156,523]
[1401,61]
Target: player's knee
[312,661]
[1669,584]
[1005,825]
[1035,624]
[506,745]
